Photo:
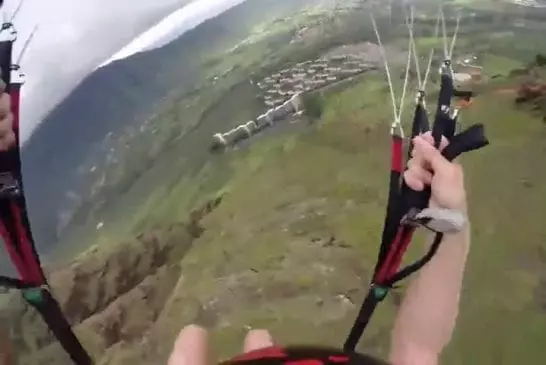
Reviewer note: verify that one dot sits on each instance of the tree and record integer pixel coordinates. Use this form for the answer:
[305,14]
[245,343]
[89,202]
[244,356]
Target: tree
[540,60]
[313,105]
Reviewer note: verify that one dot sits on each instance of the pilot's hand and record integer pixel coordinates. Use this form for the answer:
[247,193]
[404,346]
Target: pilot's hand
[428,167]
[191,347]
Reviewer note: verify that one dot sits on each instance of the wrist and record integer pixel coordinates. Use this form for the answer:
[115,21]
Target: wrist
[456,204]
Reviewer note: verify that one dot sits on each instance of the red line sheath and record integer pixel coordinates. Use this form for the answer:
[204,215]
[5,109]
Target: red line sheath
[15,258]
[396,156]
[15,94]
[400,243]
[28,253]
[382,273]
[273,352]
[26,264]
[397,261]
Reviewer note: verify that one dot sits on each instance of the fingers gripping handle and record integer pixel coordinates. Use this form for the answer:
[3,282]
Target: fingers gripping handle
[470,139]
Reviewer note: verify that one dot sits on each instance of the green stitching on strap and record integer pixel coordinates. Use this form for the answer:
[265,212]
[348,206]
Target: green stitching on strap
[380,292]
[33,295]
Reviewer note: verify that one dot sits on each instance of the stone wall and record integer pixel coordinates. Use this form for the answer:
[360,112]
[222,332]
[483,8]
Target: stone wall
[269,118]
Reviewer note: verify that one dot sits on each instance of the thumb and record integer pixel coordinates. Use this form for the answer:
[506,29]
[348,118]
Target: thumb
[190,347]
[429,154]
[257,340]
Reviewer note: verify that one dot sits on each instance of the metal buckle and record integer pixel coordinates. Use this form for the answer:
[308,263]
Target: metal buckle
[438,220]
[9,186]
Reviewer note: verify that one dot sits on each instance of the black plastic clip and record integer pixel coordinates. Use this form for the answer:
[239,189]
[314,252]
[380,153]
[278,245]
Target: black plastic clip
[9,186]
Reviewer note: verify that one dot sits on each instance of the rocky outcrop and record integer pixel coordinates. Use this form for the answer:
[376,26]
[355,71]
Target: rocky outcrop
[109,294]
[530,91]
[533,94]
[248,129]
[6,348]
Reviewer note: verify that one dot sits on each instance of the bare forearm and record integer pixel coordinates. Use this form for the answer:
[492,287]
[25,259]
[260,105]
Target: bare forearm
[427,317]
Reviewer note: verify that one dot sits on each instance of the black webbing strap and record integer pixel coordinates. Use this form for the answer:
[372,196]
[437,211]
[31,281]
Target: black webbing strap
[442,120]
[42,300]
[6,48]
[446,87]
[420,121]
[375,295]
[12,283]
